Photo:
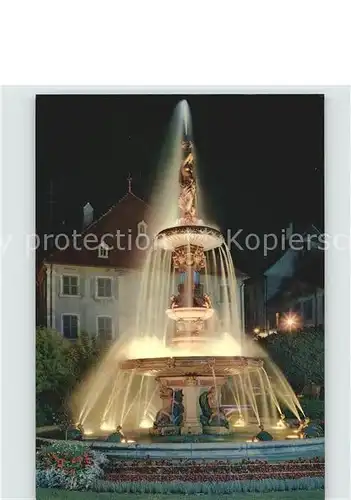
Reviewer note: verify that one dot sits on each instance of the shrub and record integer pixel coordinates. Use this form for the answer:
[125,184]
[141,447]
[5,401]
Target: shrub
[53,366]
[300,356]
[72,466]
[313,408]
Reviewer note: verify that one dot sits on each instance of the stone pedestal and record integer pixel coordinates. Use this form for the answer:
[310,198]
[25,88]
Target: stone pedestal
[191,387]
[167,430]
[191,391]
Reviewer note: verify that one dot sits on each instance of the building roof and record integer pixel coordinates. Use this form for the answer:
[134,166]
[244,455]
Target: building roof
[122,224]
[274,257]
[307,277]
[118,228]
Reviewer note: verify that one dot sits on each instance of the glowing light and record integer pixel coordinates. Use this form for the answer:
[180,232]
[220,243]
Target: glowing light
[280,425]
[290,321]
[146,423]
[88,432]
[240,422]
[107,427]
[292,436]
[256,330]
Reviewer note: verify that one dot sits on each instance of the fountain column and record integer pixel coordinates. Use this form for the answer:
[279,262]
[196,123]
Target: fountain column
[191,392]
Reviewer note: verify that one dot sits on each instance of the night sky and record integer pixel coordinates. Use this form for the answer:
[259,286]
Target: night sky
[261,157]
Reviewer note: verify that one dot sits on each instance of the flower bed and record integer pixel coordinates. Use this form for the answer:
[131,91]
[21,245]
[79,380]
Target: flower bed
[68,465]
[190,471]
[74,466]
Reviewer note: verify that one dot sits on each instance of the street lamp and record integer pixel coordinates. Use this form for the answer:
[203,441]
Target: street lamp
[290,322]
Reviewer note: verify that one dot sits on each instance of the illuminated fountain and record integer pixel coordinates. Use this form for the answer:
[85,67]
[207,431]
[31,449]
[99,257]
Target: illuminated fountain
[185,347]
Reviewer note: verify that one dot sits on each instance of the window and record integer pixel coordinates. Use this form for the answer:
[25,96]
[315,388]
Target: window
[70,326]
[142,227]
[103,287]
[104,327]
[308,310]
[224,295]
[103,251]
[70,285]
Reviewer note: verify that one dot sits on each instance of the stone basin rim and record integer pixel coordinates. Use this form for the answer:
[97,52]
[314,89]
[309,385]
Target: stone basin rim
[192,365]
[197,358]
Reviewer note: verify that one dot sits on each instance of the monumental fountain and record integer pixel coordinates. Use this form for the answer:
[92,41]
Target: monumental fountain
[187,368]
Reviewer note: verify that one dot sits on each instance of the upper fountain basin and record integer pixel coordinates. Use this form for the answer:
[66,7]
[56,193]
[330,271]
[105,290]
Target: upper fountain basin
[190,313]
[192,365]
[202,236]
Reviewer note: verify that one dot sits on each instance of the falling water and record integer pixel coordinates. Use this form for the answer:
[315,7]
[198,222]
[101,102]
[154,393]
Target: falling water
[265,414]
[251,396]
[244,397]
[217,391]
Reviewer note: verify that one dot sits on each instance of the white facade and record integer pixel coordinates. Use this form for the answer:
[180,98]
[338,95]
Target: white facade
[102,301]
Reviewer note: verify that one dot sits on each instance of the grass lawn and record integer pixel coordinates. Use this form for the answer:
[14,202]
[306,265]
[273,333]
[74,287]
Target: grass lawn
[49,494]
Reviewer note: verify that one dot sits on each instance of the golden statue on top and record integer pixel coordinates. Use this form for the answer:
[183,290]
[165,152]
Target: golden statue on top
[187,197]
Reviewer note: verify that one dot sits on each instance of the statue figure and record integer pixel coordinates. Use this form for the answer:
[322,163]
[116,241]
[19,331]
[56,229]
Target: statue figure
[303,424]
[212,415]
[187,185]
[178,407]
[311,430]
[172,410]
[174,301]
[117,436]
[262,435]
[178,300]
[75,432]
[207,301]
[197,301]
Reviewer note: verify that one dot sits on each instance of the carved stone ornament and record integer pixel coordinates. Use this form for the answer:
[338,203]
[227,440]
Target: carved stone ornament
[191,381]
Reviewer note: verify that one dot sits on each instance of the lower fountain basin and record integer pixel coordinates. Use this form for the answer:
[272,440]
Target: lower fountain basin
[271,451]
[192,365]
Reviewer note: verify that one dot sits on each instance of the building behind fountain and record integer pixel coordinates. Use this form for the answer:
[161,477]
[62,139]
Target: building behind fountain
[96,290]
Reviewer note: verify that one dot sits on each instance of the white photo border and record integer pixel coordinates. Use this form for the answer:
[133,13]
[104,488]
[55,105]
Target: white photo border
[17,305]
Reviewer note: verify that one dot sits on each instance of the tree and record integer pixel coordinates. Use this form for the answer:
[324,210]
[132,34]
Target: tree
[84,354]
[54,374]
[54,369]
[60,366]
[300,356]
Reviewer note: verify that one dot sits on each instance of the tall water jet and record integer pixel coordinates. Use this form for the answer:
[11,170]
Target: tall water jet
[185,117]
[188,338]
